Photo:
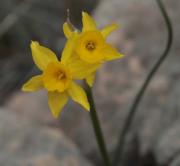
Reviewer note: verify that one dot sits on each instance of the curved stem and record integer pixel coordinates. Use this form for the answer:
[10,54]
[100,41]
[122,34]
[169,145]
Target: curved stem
[134,106]
[97,128]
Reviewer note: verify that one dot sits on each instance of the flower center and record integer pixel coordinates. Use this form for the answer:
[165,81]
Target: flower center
[60,75]
[56,77]
[90,46]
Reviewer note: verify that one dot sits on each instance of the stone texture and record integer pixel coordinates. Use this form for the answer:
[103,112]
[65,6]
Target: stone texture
[24,143]
[142,40]
[168,145]
[31,105]
[176,161]
[155,127]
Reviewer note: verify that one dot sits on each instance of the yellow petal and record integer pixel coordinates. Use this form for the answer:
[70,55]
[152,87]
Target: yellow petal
[34,84]
[69,48]
[110,53]
[67,30]
[90,79]
[107,30]
[78,95]
[88,22]
[56,102]
[81,69]
[42,56]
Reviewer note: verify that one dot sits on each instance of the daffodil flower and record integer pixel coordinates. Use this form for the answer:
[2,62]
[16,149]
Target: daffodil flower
[91,45]
[58,76]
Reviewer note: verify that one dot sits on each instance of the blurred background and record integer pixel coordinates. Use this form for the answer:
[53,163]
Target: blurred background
[29,136]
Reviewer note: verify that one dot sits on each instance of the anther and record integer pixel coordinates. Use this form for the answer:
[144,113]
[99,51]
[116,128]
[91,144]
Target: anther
[90,46]
[60,75]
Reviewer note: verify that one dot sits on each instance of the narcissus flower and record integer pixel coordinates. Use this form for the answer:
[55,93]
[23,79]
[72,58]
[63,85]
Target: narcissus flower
[91,45]
[58,76]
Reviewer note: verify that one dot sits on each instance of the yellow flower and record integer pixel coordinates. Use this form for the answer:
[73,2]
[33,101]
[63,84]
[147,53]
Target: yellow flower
[91,45]
[58,76]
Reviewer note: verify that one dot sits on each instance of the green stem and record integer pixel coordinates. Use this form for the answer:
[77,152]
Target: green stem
[97,128]
[134,106]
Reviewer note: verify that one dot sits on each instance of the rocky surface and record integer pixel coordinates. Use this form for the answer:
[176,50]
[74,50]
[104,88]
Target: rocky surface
[35,108]
[24,143]
[155,134]
[142,40]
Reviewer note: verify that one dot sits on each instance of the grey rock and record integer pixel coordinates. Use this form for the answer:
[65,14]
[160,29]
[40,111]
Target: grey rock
[24,144]
[168,145]
[35,108]
[142,40]
[176,161]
